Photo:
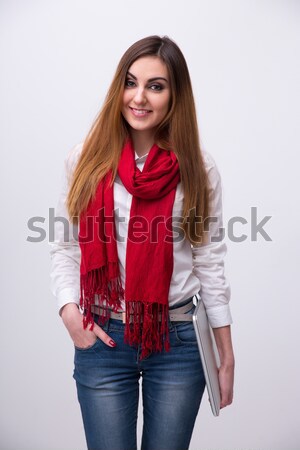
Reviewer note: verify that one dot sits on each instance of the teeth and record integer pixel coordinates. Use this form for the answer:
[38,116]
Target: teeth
[140,111]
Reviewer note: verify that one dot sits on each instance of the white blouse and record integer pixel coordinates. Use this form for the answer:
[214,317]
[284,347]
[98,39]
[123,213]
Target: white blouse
[196,268]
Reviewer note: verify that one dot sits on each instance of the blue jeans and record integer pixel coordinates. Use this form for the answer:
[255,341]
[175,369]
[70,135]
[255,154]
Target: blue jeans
[107,381]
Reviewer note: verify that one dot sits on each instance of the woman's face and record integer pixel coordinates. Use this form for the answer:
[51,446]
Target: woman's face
[147,94]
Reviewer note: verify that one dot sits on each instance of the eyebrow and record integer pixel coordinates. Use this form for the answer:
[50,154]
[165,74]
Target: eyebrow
[150,79]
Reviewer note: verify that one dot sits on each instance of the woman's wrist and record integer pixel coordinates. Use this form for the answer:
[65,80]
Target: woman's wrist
[224,345]
[68,309]
[227,360]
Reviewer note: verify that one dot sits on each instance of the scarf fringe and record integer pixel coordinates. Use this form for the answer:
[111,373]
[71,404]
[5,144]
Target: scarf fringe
[99,282]
[147,323]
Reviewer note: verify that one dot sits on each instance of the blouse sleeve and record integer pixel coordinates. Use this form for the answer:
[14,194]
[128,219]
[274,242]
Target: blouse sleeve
[64,249]
[208,257]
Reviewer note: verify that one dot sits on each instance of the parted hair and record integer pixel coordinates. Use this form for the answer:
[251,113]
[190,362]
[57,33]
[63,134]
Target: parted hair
[177,132]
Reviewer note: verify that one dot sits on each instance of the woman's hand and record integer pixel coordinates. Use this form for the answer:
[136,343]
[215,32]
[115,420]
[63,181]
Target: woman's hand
[226,378]
[82,338]
[226,370]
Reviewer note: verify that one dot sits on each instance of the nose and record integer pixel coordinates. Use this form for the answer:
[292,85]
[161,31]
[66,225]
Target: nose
[140,96]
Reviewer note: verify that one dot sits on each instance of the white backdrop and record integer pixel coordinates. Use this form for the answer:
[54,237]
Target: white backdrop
[57,60]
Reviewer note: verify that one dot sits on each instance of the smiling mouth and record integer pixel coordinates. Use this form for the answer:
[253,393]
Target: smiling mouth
[140,112]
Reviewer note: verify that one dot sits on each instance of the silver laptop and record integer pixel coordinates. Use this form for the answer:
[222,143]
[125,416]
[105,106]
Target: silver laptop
[208,353]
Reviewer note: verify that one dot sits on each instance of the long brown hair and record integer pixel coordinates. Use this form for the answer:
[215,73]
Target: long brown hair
[177,132]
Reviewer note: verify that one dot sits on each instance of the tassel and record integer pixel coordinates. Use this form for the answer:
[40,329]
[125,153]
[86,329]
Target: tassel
[146,328]
[110,291]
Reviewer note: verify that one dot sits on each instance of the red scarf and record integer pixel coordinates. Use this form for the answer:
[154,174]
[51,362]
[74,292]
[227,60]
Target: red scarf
[149,251]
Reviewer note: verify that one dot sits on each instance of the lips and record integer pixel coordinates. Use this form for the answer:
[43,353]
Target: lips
[140,112]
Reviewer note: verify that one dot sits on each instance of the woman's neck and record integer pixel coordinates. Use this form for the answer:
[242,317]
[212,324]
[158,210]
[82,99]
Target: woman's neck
[142,141]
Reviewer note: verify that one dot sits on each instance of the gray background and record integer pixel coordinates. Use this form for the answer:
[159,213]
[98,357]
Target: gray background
[57,60]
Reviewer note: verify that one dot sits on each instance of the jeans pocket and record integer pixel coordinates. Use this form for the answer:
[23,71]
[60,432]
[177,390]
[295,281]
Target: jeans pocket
[185,332]
[90,347]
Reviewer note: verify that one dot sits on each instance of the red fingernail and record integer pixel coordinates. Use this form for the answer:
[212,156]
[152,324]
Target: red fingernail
[112,343]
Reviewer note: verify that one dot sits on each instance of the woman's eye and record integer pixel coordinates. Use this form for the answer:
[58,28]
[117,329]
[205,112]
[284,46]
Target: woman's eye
[129,83]
[153,87]
[156,87]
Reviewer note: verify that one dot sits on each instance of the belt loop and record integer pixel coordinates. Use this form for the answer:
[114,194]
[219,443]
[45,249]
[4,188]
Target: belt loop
[170,324]
[105,326]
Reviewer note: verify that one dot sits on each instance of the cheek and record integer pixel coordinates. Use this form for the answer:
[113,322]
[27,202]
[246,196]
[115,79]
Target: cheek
[163,106]
[126,96]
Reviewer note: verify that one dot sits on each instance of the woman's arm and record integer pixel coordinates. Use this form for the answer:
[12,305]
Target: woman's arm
[208,256]
[226,370]
[65,251]
[208,262]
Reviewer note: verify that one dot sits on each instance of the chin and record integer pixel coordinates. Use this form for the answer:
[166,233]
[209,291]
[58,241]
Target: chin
[139,126]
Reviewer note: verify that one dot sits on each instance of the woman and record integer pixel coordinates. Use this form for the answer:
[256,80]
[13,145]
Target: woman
[140,191]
